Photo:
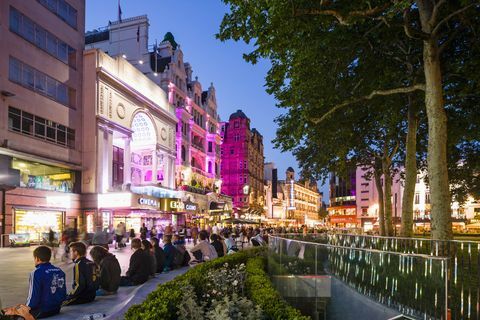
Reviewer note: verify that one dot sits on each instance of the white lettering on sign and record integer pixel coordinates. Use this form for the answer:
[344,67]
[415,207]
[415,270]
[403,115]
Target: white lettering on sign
[177,205]
[191,207]
[148,202]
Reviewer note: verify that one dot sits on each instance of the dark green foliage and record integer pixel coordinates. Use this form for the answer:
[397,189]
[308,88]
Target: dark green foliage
[163,303]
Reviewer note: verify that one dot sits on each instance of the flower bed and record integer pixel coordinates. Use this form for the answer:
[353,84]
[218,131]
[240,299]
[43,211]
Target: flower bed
[232,287]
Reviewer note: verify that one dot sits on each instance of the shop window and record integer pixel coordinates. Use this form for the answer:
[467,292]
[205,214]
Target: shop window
[35,175]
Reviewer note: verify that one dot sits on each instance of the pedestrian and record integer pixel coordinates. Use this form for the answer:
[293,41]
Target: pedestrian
[195,235]
[147,247]
[139,267]
[218,245]
[132,234]
[170,252]
[230,243]
[100,238]
[118,235]
[208,252]
[182,257]
[47,289]
[53,243]
[159,254]
[169,229]
[85,282]
[189,234]
[109,273]
[143,232]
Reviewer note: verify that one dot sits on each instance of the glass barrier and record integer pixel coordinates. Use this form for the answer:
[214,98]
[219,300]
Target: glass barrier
[338,282]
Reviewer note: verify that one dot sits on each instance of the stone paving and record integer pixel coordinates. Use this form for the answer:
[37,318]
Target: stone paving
[16,264]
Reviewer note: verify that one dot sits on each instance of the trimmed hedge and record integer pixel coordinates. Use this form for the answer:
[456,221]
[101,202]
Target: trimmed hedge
[261,291]
[163,302]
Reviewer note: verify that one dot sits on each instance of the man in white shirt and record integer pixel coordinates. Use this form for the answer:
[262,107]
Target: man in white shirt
[207,250]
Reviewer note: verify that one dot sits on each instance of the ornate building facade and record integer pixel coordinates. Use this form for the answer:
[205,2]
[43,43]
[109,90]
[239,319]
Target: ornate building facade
[243,165]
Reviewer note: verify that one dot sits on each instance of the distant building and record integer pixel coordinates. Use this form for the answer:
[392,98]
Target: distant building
[197,134]
[242,165]
[40,107]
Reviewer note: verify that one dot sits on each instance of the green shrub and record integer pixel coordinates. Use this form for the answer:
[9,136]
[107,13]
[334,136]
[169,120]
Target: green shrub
[261,291]
[164,302]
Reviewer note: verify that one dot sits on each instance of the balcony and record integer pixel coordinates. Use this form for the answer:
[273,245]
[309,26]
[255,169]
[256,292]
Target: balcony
[198,147]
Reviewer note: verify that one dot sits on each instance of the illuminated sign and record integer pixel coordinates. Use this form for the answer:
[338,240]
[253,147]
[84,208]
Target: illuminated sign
[115,200]
[148,202]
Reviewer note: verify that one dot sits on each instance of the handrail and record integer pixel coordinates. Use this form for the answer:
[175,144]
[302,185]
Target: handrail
[417,255]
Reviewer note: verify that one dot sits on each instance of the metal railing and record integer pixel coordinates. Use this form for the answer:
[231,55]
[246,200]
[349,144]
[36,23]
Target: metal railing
[463,262]
[413,284]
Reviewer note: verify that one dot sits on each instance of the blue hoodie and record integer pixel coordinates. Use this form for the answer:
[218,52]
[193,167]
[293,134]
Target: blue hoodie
[47,288]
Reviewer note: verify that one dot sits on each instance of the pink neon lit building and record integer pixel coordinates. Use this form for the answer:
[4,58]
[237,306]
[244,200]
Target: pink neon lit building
[242,168]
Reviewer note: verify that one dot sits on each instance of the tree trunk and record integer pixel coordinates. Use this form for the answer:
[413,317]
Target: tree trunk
[387,196]
[377,172]
[410,172]
[437,130]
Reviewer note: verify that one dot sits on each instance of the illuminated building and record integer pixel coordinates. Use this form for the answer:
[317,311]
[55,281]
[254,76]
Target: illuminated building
[197,136]
[242,165]
[128,147]
[41,101]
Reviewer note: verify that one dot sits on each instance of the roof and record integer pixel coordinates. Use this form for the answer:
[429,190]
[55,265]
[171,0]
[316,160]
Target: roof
[290,169]
[238,115]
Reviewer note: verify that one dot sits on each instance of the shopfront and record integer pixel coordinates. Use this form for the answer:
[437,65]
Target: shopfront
[37,222]
[135,209]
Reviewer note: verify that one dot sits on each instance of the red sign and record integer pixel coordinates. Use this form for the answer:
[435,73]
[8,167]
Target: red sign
[343,219]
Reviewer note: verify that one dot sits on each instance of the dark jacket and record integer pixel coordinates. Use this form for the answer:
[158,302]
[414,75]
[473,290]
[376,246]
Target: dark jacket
[139,268]
[160,257]
[85,282]
[170,252]
[218,247]
[47,288]
[110,273]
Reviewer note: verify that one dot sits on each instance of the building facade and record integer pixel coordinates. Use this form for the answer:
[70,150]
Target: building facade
[197,134]
[129,147]
[242,167]
[40,104]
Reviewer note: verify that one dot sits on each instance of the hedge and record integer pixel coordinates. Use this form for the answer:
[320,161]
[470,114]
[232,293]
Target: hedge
[261,291]
[162,303]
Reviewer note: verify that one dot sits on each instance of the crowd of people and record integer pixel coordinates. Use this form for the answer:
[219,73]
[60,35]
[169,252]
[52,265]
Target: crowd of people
[153,253]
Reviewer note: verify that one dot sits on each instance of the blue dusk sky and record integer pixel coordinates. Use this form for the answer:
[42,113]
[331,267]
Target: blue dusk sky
[194,23]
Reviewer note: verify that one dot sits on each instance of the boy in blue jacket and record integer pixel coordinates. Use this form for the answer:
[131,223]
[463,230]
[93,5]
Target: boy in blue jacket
[47,288]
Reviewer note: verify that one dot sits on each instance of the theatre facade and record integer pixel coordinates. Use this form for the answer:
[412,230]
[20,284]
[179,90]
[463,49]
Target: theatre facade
[128,148]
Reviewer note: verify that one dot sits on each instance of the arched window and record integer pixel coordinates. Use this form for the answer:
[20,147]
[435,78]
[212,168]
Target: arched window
[143,130]
[209,166]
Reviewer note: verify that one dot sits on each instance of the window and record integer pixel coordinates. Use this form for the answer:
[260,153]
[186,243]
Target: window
[210,146]
[209,167]
[35,126]
[427,197]
[237,137]
[232,150]
[417,198]
[237,124]
[35,34]
[117,166]
[183,153]
[37,81]
[63,10]
[418,178]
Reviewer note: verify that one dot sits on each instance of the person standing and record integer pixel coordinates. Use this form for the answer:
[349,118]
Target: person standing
[143,232]
[109,275]
[85,282]
[53,243]
[118,235]
[195,235]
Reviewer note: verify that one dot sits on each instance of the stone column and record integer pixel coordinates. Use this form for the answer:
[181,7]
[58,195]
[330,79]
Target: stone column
[127,154]
[154,165]
[100,154]
[171,167]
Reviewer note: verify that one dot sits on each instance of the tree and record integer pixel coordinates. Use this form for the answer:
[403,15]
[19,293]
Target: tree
[288,32]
